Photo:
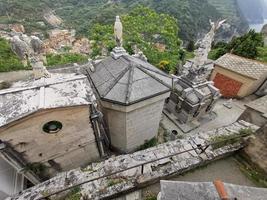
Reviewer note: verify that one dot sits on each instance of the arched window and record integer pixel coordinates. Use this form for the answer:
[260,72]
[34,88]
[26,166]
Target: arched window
[52,127]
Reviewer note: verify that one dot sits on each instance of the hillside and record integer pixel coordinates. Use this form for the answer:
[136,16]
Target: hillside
[229,9]
[192,15]
[253,10]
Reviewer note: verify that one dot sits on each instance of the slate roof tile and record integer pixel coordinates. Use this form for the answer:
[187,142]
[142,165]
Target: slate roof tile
[127,80]
[251,68]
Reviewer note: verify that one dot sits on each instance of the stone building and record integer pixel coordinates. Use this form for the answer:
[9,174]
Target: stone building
[131,93]
[256,150]
[256,112]
[236,76]
[51,122]
[192,98]
[262,91]
[192,95]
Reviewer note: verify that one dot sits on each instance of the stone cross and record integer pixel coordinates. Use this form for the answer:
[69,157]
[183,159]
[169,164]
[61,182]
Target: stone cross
[118,31]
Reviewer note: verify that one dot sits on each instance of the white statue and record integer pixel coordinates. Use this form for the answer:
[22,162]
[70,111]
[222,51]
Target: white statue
[201,54]
[118,31]
[30,48]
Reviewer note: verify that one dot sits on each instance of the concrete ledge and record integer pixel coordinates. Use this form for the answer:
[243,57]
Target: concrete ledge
[108,187]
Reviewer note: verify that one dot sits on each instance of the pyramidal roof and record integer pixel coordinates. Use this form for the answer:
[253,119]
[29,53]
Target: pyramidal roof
[125,79]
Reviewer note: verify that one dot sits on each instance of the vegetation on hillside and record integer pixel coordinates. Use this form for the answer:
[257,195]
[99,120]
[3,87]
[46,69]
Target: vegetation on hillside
[229,10]
[66,58]
[155,34]
[81,15]
[248,45]
[8,60]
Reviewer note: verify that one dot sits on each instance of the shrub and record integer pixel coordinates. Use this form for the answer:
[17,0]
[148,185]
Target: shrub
[224,140]
[65,58]
[74,194]
[114,181]
[5,85]
[149,143]
[8,60]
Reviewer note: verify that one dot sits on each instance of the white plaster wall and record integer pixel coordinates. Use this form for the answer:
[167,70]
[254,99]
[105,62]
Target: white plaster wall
[143,124]
[71,147]
[10,181]
[117,127]
[130,126]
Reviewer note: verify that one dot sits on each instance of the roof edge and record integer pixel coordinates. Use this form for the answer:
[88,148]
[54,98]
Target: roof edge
[37,111]
[137,101]
[215,64]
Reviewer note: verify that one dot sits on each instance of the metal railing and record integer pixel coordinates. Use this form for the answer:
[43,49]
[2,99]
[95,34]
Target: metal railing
[201,148]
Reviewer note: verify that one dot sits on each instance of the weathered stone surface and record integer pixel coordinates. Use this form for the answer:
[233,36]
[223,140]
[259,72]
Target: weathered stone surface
[121,182]
[176,190]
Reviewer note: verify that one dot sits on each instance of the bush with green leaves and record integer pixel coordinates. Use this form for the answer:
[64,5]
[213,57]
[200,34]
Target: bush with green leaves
[144,28]
[149,143]
[65,58]
[248,45]
[224,140]
[8,60]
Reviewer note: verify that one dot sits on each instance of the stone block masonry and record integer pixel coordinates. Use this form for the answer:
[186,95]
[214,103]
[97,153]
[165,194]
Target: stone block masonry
[136,177]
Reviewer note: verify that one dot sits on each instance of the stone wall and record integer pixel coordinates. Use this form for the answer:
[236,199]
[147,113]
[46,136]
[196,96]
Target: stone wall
[130,126]
[136,177]
[256,149]
[253,116]
[143,124]
[73,146]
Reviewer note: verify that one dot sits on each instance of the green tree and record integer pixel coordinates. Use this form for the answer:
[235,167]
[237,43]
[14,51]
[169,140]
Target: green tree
[247,45]
[8,60]
[144,28]
[190,46]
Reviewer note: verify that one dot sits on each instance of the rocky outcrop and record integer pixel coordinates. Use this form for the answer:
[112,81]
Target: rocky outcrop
[52,19]
[161,161]
[30,49]
[20,48]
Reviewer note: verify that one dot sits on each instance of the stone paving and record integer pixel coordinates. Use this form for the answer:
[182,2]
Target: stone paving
[224,117]
[133,178]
